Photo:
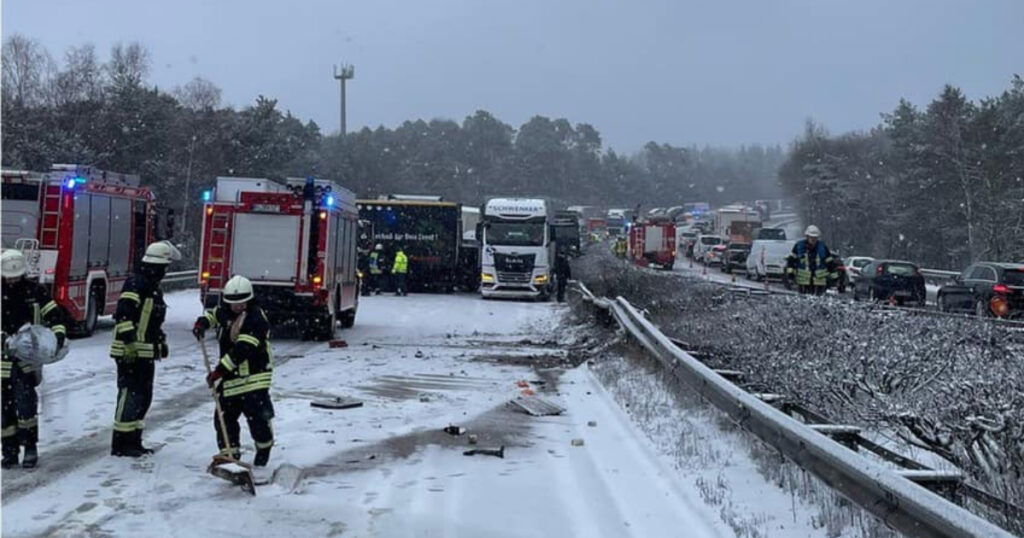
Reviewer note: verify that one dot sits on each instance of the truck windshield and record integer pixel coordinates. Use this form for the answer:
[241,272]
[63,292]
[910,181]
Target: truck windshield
[520,234]
[771,233]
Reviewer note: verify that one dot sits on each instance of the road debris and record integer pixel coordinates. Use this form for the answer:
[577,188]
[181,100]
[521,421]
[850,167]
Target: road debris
[536,406]
[577,442]
[500,452]
[338,402]
[453,430]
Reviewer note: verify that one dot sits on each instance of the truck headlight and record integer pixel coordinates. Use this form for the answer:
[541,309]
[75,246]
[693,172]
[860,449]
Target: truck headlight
[540,279]
[486,277]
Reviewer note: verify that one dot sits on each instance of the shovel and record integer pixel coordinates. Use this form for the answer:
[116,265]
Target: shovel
[226,467]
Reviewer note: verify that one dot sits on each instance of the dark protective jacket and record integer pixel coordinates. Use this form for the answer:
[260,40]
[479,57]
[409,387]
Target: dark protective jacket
[811,266]
[24,302]
[246,358]
[139,319]
[562,270]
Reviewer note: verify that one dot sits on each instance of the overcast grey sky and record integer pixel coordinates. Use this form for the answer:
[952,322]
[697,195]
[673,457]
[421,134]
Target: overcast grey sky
[676,71]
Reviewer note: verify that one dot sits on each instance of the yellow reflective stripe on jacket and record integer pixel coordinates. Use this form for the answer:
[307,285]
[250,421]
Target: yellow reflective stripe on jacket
[5,369]
[27,368]
[27,423]
[226,362]
[147,311]
[48,308]
[59,329]
[249,339]
[145,350]
[243,369]
[9,431]
[132,296]
[234,387]
[124,326]
[212,318]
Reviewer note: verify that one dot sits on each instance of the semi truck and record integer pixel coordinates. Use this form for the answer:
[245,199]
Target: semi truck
[566,227]
[517,248]
[296,242]
[83,231]
[428,229]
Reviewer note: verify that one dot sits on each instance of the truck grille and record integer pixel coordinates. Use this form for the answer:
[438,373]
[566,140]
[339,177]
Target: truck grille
[513,278]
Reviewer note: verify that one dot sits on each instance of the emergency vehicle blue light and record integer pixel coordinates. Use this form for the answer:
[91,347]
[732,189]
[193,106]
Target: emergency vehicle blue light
[74,181]
[207,195]
[330,200]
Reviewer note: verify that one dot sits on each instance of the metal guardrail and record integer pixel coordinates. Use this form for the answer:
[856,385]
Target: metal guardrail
[895,500]
[180,276]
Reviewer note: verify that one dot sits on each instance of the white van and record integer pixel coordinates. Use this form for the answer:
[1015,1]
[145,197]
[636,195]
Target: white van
[767,258]
[705,243]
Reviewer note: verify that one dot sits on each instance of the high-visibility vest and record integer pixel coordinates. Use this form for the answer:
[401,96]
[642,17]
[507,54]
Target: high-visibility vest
[802,262]
[375,263]
[401,263]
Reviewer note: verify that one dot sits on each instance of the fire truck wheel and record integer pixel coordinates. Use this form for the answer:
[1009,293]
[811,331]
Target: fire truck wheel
[348,319]
[322,327]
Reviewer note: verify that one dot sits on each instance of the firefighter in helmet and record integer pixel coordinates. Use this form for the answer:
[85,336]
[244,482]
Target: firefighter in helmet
[619,247]
[243,374]
[24,301]
[139,341]
[810,264]
[376,268]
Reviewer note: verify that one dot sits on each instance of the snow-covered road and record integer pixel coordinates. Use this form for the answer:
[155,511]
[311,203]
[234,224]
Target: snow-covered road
[385,469]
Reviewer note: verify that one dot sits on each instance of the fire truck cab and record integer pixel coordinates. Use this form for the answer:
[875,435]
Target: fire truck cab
[82,230]
[297,243]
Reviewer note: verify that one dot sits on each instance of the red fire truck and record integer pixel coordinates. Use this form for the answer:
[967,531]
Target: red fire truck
[82,231]
[652,243]
[296,242]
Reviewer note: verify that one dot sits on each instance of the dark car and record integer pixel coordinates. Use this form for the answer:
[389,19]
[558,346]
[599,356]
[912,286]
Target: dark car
[986,289]
[892,281]
[843,279]
[736,257]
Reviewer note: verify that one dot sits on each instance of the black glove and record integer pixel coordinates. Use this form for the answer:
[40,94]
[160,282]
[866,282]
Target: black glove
[60,341]
[164,350]
[199,329]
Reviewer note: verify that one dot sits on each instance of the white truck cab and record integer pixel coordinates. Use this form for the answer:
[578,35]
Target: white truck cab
[517,248]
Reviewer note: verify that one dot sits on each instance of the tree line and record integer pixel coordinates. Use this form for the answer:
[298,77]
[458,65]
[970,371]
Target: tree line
[85,110]
[942,185]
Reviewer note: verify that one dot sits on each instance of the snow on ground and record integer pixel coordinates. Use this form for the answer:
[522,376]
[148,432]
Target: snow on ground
[419,363]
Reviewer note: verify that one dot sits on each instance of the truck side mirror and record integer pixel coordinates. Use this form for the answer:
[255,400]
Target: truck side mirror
[171,221]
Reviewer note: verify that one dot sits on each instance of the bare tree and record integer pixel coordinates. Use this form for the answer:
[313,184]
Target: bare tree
[198,94]
[128,65]
[26,69]
[82,76]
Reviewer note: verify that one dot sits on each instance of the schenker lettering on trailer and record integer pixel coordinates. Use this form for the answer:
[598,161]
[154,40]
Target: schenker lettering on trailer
[405,237]
[516,209]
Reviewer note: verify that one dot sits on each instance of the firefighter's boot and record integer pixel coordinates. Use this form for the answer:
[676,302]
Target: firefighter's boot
[31,458]
[122,446]
[262,457]
[10,456]
[137,443]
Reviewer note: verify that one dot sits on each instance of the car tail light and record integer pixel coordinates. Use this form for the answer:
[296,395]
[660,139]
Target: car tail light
[1000,306]
[879,270]
[1000,288]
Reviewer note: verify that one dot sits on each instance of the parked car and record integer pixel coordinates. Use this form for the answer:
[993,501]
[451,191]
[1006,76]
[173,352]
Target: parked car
[715,255]
[703,244]
[767,258]
[736,257]
[892,281]
[986,289]
[853,266]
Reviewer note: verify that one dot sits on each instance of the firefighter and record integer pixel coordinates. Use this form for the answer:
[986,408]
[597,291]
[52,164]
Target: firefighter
[620,247]
[376,268]
[139,341]
[399,271]
[243,374]
[24,301]
[562,274]
[810,264]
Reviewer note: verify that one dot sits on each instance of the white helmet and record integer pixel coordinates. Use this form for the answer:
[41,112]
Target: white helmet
[378,247]
[237,290]
[161,253]
[14,264]
[812,231]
